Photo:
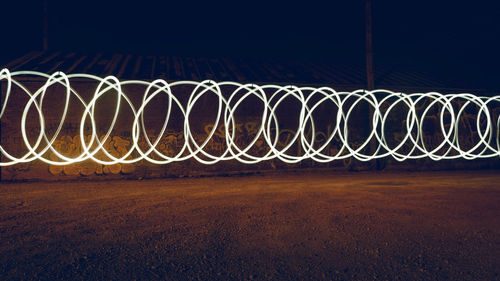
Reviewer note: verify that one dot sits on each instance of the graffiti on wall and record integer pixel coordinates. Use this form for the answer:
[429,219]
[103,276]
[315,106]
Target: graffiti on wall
[71,146]
[172,142]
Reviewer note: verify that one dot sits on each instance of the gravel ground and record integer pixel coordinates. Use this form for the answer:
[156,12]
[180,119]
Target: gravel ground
[308,226]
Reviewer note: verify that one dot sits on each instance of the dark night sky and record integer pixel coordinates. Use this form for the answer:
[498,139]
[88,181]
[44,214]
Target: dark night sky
[454,39]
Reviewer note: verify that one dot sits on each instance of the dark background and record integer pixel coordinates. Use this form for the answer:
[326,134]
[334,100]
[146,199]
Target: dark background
[453,39]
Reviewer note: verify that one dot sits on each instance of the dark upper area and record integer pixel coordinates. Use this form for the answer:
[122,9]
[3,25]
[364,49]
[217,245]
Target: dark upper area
[340,76]
[450,44]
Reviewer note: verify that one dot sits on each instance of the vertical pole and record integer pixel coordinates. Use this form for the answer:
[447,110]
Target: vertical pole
[45,25]
[370,84]
[369,49]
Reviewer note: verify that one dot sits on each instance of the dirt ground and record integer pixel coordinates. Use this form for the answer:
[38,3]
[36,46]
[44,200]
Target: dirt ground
[305,226]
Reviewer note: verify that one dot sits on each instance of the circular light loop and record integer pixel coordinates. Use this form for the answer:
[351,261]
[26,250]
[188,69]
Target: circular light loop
[455,135]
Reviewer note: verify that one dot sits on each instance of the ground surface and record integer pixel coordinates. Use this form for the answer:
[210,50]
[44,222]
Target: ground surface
[361,226]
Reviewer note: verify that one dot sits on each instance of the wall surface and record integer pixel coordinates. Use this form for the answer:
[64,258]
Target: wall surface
[202,119]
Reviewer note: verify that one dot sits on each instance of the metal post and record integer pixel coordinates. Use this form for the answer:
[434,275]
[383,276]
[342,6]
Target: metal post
[369,49]
[370,84]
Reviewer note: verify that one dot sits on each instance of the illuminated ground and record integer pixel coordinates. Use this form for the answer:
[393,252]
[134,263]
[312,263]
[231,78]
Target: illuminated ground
[310,226]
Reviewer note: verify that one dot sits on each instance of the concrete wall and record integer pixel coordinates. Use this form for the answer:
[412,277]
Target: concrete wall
[202,121]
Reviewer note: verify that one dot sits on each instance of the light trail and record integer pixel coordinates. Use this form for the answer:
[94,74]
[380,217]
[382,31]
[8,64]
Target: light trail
[412,144]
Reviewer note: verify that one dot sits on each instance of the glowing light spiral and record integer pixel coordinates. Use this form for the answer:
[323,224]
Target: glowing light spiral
[412,143]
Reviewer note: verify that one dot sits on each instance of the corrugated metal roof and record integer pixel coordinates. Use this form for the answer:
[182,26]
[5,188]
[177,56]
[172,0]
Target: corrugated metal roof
[148,67]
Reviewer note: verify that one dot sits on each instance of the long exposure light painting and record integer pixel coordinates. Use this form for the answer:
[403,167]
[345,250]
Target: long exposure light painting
[452,109]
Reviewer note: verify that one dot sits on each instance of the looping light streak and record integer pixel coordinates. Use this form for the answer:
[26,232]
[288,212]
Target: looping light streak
[412,145]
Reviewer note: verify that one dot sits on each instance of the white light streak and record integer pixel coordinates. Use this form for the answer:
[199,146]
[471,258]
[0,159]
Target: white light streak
[411,144]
